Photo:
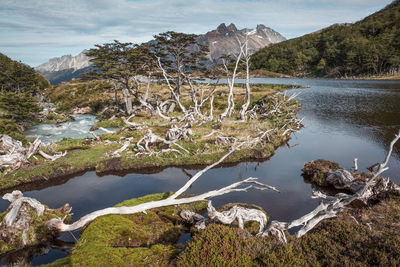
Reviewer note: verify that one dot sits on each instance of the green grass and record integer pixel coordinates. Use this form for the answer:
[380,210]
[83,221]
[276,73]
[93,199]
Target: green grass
[115,123]
[132,240]
[53,118]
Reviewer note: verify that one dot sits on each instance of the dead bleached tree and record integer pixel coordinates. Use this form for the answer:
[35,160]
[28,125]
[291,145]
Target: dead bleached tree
[199,95]
[246,59]
[60,226]
[10,231]
[231,83]
[174,93]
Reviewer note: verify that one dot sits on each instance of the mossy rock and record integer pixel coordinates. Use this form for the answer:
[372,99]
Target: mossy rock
[133,240]
[316,171]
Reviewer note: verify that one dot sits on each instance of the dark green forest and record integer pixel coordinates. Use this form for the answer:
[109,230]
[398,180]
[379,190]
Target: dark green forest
[19,84]
[368,47]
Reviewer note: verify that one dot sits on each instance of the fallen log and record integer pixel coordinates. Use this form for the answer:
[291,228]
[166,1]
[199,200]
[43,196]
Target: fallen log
[11,227]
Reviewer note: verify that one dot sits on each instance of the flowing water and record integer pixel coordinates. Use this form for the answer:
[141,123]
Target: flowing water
[79,128]
[343,119]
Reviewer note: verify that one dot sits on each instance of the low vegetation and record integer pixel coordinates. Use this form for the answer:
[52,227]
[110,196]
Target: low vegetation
[366,237]
[139,239]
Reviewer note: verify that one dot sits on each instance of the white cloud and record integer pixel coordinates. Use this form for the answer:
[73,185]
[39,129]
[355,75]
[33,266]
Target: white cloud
[53,28]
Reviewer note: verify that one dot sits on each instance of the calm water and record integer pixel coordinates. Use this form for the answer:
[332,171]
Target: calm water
[343,120]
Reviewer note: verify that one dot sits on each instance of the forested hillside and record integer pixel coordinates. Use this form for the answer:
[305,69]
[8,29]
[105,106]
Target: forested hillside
[19,84]
[368,47]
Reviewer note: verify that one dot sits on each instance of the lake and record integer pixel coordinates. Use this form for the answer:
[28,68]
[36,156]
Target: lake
[343,119]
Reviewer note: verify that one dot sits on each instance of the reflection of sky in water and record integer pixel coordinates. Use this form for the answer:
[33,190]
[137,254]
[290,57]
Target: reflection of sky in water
[343,119]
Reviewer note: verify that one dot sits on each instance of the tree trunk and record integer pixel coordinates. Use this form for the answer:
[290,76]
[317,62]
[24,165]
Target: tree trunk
[127,101]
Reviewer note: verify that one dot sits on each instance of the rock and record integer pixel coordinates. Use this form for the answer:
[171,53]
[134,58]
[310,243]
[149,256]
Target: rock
[84,110]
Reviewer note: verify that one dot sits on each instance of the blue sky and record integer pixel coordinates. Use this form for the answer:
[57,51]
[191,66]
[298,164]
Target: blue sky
[33,31]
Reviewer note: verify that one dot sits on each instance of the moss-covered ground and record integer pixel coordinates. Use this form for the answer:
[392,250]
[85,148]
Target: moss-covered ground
[132,240]
[88,154]
[361,237]
[366,237]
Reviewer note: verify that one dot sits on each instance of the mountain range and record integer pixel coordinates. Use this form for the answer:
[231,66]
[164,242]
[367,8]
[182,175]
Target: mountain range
[221,41]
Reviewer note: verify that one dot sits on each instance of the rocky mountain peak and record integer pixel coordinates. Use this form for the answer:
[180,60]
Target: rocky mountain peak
[77,62]
[223,40]
[222,29]
[232,28]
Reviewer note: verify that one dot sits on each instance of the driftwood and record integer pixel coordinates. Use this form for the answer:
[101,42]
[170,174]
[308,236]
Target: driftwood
[17,219]
[242,215]
[225,140]
[95,136]
[117,152]
[371,189]
[176,133]
[20,224]
[132,124]
[106,130]
[149,138]
[194,218]
[14,154]
[58,224]
[340,179]
[53,157]
[236,213]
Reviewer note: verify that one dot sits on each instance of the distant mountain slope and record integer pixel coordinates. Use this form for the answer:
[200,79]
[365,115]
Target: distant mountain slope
[220,41]
[77,62]
[65,68]
[19,85]
[223,41]
[368,47]
[56,77]
[18,77]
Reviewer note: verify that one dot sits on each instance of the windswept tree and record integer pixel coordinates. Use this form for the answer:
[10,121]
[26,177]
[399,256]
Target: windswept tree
[122,63]
[179,55]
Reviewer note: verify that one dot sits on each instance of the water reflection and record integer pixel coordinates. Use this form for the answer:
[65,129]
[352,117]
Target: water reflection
[343,119]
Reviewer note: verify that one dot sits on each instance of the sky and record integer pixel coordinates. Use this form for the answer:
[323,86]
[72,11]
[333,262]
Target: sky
[33,31]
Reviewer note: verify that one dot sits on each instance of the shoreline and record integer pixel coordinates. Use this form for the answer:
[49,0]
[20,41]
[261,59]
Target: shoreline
[90,155]
[113,166]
